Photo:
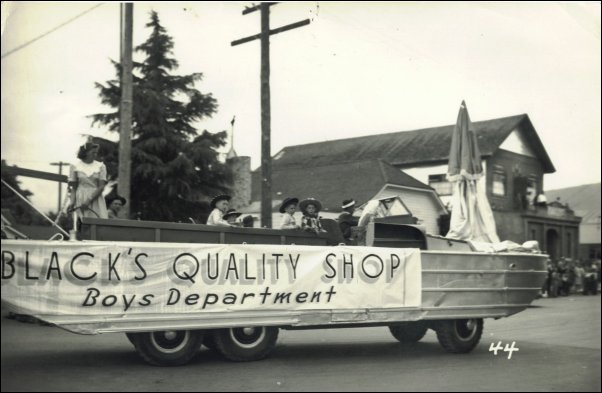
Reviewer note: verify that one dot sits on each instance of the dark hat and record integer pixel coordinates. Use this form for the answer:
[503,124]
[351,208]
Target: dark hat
[231,212]
[310,201]
[85,148]
[348,203]
[219,198]
[247,221]
[115,197]
[287,202]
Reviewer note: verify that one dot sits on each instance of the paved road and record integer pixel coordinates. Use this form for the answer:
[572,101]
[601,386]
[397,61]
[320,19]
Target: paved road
[558,341]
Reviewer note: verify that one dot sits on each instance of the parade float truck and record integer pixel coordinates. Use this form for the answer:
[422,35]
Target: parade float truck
[173,287]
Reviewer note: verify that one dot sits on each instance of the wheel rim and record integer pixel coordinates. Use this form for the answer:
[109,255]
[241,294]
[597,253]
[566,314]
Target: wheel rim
[170,341]
[466,329]
[248,337]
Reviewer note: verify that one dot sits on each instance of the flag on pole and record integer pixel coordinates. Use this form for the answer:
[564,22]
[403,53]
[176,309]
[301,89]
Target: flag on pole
[231,153]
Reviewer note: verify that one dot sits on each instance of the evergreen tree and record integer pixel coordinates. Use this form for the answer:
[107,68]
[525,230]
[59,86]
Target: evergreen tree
[172,166]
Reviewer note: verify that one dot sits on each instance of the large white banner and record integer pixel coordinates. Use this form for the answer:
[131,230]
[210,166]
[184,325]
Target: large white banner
[117,278]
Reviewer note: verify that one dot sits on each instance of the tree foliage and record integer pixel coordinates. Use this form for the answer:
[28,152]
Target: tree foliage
[173,166]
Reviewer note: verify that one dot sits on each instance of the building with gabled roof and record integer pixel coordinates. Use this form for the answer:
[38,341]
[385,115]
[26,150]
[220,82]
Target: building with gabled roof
[413,148]
[514,162]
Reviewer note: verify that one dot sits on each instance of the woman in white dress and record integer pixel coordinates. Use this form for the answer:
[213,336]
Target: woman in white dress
[87,179]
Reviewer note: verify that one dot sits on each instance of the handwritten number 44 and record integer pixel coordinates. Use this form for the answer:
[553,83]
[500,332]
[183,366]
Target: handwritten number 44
[506,348]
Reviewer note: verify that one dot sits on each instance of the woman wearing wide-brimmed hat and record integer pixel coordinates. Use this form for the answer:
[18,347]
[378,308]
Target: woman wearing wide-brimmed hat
[87,179]
[220,206]
[231,216]
[310,222]
[288,208]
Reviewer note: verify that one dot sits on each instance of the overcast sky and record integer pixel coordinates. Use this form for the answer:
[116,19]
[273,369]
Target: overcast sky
[358,69]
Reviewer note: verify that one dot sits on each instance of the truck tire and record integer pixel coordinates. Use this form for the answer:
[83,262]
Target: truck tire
[410,332]
[167,348]
[209,341]
[246,344]
[459,335]
[130,337]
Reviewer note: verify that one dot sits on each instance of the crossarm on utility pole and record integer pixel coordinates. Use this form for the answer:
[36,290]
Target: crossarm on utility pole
[272,32]
[266,155]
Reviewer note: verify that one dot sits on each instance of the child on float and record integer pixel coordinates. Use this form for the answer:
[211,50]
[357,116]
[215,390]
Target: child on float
[231,216]
[288,209]
[220,206]
[310,222]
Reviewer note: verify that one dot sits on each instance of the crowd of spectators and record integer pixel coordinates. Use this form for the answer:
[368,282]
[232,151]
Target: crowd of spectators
[567,276]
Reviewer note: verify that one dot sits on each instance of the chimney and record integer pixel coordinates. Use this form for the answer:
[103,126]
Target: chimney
[241,181]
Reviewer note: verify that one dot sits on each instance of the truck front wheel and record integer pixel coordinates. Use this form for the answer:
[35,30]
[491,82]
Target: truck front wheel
[459,335]
[410,332]
[131,338]
[167,348]
[246,344]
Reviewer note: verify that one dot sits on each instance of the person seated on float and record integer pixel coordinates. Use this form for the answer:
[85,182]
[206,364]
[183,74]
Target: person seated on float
[288,209]
[248,222]
[220,206]
[114,205]
[372,210]
[310,222]
[231,216]
[346,219]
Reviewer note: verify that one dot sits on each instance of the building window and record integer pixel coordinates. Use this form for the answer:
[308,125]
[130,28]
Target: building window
[531,189]
[440,184]
[499,181]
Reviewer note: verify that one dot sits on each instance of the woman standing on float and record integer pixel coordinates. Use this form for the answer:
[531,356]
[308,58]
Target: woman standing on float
[87,179]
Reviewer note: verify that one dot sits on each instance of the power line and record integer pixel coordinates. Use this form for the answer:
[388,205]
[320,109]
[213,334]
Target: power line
[379,35]
[49,31]
[387,40]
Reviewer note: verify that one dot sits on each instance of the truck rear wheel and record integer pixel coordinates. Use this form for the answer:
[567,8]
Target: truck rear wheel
[246,344]
[209,341]
[459,335]
[410,332]
[169,347]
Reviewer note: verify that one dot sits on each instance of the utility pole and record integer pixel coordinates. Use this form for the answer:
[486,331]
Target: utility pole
[266,156]
[60,164]
[125,121]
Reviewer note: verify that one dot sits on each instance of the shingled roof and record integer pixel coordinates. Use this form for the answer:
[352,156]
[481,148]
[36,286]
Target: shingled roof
[584,200]
[411,148]
[331,183]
